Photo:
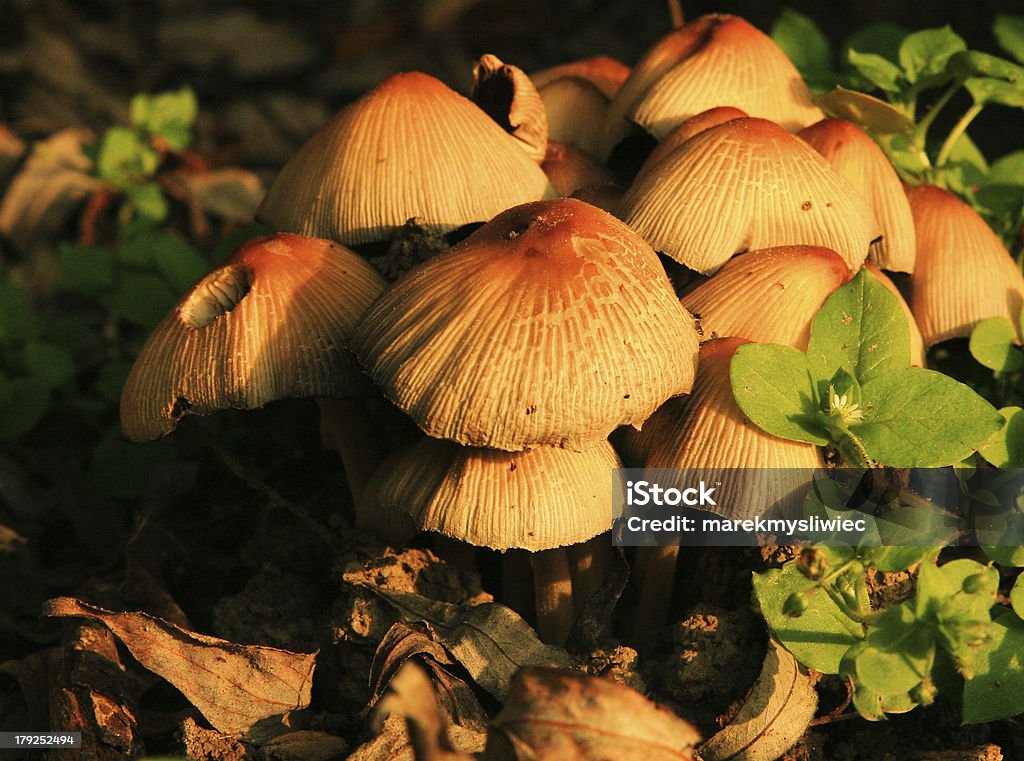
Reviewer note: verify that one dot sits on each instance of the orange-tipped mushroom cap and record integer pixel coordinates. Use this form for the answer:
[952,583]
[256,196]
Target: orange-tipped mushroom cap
[534,500]
[708,432]
[409,148]
[963,273]
[715,60]
[606,74]
[508,96]
[692,126]
[570,170]
[552,324]
[747,184]
[269,323]
[856,157]
[768,296]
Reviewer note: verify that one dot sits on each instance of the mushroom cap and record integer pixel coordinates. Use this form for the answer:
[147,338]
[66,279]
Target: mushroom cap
[917,353]
[963,273]
[507,95]
[768,296]
[715,60]
[411,147]
[707,433]
[605,73]
[534,500]
[746,184]
[604,197]
[570,170]
[692,126]
[269,323]
[858,158]
[552,324]
[576,112]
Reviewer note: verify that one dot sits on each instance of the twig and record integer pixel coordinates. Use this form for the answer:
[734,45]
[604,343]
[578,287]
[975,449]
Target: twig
[836,714]
[675,10]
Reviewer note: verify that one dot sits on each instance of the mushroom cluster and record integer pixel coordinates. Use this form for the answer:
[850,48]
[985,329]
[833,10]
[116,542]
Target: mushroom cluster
[534,315]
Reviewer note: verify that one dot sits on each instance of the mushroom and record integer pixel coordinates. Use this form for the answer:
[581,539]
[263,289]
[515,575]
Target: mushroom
[571,170]
[856,157]
[576,112]
[540,500]
[768,296]
[409,148]
[715,60]
[508,96]
[552,324]
[692,126]
[963,273]
[746,184]
[269,323]
[605,73]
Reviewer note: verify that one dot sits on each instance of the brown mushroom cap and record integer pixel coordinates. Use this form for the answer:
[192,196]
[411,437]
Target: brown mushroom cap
[534,500]
[570,170]
[707,432]
[963,273]
[552,324]
[856,157]
[692,126]
[768,296]
[605,73]
[409,148]
[576,111]
[715,60]
[746,184]
[508,96]
[269,323]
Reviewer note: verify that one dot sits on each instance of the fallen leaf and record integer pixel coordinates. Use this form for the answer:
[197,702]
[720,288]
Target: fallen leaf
[199,742]
[233,686]
[774,714]
[552,714]
[392,742]
[304,745]
[230,193]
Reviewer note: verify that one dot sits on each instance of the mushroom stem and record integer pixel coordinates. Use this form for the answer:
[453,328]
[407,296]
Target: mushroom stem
[552,591]
[655,571]
[456,553]
[590,562]
[517,582]
[347,428]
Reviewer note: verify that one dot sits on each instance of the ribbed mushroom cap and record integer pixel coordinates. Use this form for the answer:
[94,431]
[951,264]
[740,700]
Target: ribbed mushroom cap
[409,148]
[606,197]
[768,296]
[576,112]
[552,324]
[570,170]
[963,273]
[606,74]
[533,500]
[692,126]
[507,95]
[715,60]
[856,157]
[707,432]
[746,184]
[917,353]
[269,323]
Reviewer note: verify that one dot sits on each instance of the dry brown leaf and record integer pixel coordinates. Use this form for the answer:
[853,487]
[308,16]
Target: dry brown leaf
[230,193]
[233,686]
[774,715]
[304,745]
[392,742]
[489,640]
[552,714]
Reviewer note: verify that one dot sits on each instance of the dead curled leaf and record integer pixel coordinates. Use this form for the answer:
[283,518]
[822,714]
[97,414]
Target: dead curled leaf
[774,714]
[553,714]
[233,686]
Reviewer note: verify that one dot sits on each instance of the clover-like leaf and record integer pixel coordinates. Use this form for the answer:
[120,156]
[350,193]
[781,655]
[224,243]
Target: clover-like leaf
[992,344]
[925,53]
[1009,31]
[879,71]
[996,691]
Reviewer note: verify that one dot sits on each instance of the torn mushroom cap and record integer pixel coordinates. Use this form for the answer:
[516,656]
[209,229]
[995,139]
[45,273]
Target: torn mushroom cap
[409,148]
[576,112]
[534,500]
[552,324]
[768,296]
[269,323]
[507,95]
[692,126]
[707,434]
[856,157]
[570,170]
[605,73]
[917,353]
[747,184]
[715,60]
[963,273]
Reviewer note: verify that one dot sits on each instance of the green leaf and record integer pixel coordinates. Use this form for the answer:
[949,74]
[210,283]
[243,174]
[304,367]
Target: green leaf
[974,63]
[18,321]
[916,418]
[957,598]
[1009,31]
[880,72]
[123,157]
[50,365]
[925,53]
[882,39]
[169,115]
[773,386]
[149,201]
[992,344]
[805,44]
[897,653]
[178,262]
[1008,556]
[1017,596]
[88,271]
[1006,447]
[891,559]
[110,379]
[987,90]
[1008,169]
[997,689]
[142,299]
[26,403]
[820,637]
[860,328]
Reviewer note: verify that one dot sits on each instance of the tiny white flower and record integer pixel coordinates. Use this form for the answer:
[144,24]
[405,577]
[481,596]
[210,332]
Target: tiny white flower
[840,407]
